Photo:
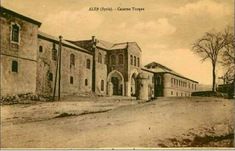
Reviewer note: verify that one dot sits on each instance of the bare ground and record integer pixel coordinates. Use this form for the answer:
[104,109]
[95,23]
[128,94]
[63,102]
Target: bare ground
[117,123]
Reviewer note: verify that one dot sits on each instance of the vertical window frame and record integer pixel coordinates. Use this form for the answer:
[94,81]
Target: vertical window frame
[11,36]
[120,59]
[14,66]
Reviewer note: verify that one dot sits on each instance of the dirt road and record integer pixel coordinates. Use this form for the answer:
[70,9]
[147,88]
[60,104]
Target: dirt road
[165,122]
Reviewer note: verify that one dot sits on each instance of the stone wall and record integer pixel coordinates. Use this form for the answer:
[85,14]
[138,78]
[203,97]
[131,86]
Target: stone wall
[73,77]
[24,52]
[100,71]
[133,70]
[173,88]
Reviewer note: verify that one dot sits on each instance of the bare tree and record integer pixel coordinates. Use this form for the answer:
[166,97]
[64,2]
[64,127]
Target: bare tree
[228,55]
[209,47]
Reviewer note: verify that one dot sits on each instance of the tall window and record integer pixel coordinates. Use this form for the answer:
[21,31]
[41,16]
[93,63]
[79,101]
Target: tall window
[134,61]
[88,63]
[131,60]
[50,76]
[102,85]
[40,49]
[71,80]
[120,59]
[113,59]
[72,60]
[86,82]
[14,66]
[54,52]
[100,58]
[15,33]
[138,62]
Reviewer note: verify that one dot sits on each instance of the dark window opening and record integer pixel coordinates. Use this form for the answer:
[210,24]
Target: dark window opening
[138,62]
[71,80]
[50,77]
[72,60]
[134,61]
[54,52]
[40,49]
[14,67]
[86,82]
[102,85]
[15,33]
[88,63]
[131,60]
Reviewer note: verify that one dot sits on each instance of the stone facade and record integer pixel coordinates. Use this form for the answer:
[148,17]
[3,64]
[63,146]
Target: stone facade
[76,75]
[29,64]
[18,56]
[169,83]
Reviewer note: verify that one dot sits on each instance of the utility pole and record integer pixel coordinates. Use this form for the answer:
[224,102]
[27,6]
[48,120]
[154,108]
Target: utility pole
[60,49]
[56,72]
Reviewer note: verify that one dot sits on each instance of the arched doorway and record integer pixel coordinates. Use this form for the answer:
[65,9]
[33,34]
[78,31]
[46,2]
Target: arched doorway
[117,81]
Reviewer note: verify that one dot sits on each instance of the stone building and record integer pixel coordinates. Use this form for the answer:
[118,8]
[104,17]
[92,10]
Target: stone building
[18,59]
[29,64]
[116,63]
[170,83]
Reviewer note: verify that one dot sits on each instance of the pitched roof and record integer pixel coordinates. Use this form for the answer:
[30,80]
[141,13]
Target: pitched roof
[105,44]
[159,68]
[4,12]
[64,42]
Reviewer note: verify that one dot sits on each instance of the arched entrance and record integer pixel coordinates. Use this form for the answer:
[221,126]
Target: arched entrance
[118,82]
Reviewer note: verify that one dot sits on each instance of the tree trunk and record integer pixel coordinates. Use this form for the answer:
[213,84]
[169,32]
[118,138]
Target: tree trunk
[214,77]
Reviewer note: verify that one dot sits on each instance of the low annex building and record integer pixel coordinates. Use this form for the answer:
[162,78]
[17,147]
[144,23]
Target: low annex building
[29,61]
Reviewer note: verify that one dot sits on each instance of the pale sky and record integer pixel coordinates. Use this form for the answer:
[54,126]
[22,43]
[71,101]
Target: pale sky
[165,30]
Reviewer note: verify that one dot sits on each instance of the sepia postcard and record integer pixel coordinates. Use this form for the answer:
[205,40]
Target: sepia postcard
[117,74]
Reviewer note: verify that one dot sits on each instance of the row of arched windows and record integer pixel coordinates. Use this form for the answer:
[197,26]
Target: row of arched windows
[113,59]
[135,61]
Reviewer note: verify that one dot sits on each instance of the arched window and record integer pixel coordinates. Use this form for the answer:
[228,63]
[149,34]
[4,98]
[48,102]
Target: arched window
[40,49]
[138,62]
[113,59]
[88,63]
[131,60]
[15,33]
[102,85]
[134,61]
[72,60]
[120,59]
[100,58]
